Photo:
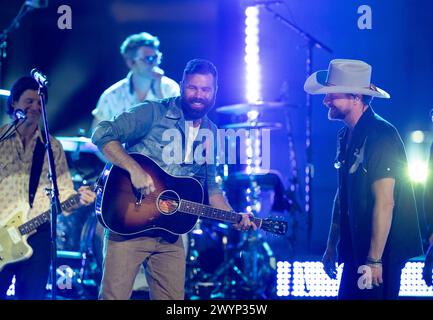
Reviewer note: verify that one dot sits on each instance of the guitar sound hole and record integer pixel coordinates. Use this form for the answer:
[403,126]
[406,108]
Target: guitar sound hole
[168,202]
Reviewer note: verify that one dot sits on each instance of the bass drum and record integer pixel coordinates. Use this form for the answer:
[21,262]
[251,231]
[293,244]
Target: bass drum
[92,250]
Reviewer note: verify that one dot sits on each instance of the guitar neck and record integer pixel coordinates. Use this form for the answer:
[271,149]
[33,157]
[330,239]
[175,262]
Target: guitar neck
[202,210]
[39,220]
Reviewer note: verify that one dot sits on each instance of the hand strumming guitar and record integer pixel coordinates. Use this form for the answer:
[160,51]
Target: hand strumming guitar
[141,180]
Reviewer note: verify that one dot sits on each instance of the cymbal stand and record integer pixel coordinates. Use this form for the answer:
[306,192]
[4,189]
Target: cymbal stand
[312,43]
[227,274]
[229,270]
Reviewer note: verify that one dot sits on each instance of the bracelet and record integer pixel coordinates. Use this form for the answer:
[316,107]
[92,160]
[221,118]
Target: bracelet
[373,261]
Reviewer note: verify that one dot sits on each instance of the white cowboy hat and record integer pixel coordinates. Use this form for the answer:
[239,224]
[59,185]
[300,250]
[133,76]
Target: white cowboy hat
[344,76]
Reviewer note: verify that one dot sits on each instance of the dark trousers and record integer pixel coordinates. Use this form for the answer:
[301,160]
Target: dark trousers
[31,275]
[388,290]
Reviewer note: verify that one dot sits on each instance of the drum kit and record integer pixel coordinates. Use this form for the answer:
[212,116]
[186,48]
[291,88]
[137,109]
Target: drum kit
[222,263]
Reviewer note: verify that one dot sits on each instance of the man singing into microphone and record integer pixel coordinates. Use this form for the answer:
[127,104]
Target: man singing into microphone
[23,180]
[145,81]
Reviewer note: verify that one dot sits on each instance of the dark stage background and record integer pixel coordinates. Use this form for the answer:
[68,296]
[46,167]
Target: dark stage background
[84,61]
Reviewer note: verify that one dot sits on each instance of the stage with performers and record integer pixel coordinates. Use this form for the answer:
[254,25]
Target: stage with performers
[216,150]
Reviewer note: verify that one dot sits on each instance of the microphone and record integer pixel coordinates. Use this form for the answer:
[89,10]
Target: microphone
[252,3]
[20,114]
[39,77]
[37,4]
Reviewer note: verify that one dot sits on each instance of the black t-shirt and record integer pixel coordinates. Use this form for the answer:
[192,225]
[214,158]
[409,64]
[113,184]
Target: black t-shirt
[345,244]
[375,151]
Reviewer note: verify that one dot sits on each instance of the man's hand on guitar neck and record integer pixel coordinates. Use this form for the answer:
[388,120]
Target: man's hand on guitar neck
[87,196]
[219,201]
[245,224]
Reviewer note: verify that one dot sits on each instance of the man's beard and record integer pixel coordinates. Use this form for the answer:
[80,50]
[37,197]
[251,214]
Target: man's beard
[192,113]
[335,114]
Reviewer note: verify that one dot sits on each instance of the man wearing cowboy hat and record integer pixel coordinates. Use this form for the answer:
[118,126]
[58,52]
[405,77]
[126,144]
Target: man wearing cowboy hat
[374,220]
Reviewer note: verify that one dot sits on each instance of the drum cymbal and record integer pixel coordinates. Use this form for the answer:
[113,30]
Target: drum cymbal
[82,144]
[253,125]
[260,106]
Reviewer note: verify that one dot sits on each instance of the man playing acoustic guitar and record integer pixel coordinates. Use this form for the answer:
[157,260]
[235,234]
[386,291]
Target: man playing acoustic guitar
[142,128]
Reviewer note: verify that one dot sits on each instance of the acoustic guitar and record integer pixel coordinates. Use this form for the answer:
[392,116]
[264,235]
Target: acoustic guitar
[174,206]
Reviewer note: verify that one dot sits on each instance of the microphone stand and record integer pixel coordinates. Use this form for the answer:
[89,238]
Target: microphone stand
[312,42]
[12,126]
[4,35]
[55,207]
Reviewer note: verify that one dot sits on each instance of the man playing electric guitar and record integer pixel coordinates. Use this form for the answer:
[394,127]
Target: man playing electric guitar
[23,179]
[143,128]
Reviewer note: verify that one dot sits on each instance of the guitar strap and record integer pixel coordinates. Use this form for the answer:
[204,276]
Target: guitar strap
[37,163]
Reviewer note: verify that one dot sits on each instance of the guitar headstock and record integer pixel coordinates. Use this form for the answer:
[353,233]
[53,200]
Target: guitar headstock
[275,226]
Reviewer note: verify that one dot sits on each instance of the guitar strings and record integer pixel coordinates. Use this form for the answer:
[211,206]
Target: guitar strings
[153,197]
[163,197]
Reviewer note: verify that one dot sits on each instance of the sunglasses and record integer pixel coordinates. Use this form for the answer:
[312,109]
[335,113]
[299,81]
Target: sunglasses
[148,59]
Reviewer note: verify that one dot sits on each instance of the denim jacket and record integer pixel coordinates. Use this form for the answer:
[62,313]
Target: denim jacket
[145,129]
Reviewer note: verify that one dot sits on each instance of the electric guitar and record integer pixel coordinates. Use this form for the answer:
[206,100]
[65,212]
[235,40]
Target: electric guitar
[14,232]
[174,206]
